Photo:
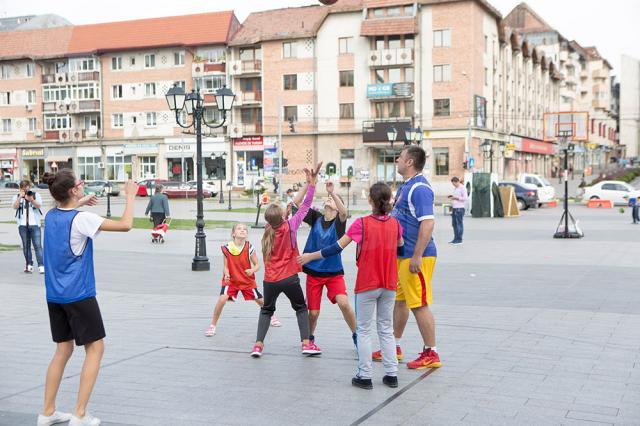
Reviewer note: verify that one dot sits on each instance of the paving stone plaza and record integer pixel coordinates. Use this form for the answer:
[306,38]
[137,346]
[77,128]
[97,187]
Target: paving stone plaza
[531,330]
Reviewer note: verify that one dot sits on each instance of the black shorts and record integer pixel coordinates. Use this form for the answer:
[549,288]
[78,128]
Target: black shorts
[80,321]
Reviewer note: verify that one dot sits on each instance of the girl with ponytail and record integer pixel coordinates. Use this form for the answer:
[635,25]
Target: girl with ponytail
[280,251]
[378,236]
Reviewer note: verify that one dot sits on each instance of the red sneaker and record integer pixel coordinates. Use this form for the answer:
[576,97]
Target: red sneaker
[311,349]
[377,355]
[426,359]
[257,351]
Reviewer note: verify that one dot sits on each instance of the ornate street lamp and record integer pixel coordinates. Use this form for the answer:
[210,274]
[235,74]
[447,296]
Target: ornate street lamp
[108,188]
[487,152]
[418,136]
[193,103]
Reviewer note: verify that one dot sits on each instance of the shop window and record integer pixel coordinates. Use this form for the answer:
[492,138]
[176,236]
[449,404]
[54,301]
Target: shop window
[118,167]
[88,168]
[147,167]
[441,156]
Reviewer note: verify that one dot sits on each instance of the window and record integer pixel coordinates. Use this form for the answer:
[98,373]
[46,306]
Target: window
[288,49]
[150,61]
[116,63]
[290,81]
[379,109]
[393,11]
[408,75]
[6,125]
[409,108]
[394,75]
[182,84]
[88,168]
[441,107]
[55,122]
[253,54]
[441,73]
[347,159]
[380,76]
[31,97]
[214,55]
[178,58]
[441,157]
[346,78]
[213,115]
[346,111]
[210,83]
[5,71]
[134,120]
[82,64]
[118,167]
[151,119]
[442,38]
[116,91]
[378,12]
[5,98]
[147,167]
[605,186]
[408,42]
[291,113]
[408,10]
[132,60]
[394,42]
[149,89]
[117,121]
[380,42]
[85,91]
[33,124]
[31,69]
[345,45]
[394,109]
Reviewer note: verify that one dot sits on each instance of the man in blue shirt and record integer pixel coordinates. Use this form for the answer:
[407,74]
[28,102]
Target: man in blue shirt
[413,208]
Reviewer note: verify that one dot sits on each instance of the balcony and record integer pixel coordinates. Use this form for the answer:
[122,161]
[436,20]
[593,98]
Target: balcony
[239,130]
[390,91]
[88,105]
[250,98]
[246,67]
[58,78]
[84,76]
[600,74]
[390,57]
[376,130]
[600,104]
[199,69]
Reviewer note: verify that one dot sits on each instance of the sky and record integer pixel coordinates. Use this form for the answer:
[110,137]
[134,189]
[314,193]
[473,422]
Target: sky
[611,25]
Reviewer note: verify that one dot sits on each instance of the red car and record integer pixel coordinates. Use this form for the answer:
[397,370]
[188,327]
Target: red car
[184,191]
[142,186]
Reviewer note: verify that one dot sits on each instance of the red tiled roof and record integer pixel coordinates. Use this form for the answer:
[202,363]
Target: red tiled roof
[484,3]
[389,26]
[35,44]
[186,30]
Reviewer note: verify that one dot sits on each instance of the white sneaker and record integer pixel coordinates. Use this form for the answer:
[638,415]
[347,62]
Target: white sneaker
[29,269]
[210,331]
[41,269]
[55,418]
[87,420]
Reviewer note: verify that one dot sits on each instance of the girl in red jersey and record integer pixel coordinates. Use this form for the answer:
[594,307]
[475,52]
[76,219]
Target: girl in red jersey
[378,236]
[240,265]
[280,252]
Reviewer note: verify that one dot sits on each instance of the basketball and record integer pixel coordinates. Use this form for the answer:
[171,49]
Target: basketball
[328,2]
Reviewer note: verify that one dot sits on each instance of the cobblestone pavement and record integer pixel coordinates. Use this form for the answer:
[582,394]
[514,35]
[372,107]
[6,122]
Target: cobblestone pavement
[531,330]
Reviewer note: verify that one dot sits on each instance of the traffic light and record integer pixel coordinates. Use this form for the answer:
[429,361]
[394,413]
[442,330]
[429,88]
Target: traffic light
[292,128]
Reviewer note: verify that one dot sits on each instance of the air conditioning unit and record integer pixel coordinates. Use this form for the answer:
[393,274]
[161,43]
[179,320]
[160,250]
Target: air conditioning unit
[101,165]
[197,69]
[235,130]
[74,106]
[73,77]
[38,133]
[28,108]
[61,77]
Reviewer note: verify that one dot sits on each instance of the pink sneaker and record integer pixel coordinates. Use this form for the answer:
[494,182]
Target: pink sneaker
[311,349]
[275,322]
[257,351]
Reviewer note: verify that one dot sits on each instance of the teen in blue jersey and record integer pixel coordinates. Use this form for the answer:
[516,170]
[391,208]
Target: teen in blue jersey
[74,314]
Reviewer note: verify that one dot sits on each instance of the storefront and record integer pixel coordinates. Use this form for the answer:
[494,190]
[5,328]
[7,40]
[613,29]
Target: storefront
[89,164]
[119,165]
[58,159]
[526,155]
[144,160]
[249,160]
[180,156]
[8,163]
[33,165]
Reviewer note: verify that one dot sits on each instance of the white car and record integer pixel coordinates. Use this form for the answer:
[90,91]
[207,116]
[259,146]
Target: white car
[546,192]
[614,190]
[207,185]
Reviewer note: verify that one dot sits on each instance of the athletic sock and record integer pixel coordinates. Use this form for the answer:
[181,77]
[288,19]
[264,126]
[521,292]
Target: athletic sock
[433,348]
[398,341]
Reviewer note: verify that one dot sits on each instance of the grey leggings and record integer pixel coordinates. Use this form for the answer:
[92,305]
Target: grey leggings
[291,288]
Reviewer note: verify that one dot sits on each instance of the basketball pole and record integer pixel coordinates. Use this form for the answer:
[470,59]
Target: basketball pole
[566,186]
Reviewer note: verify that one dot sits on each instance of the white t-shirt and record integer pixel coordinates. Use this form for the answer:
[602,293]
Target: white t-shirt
[85,225]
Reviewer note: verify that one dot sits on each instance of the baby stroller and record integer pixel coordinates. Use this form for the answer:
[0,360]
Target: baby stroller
[158,232]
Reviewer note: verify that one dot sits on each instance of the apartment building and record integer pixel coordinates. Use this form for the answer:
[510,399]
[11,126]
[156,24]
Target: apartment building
[630,106]
[91,97]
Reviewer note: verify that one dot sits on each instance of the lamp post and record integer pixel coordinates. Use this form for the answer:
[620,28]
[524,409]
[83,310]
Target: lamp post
[222,157]
[194,105]
[392,134]
[487,152]
[418,136]
[108,188]
[500,156]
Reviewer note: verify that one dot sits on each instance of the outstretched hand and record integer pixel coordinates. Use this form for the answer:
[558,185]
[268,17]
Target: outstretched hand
[88,200]
[304,258]
[312,175]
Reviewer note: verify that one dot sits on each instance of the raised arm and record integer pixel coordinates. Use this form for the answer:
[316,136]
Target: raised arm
[342,210]
[331,250]
[297,200]
[310,188]
[126,221]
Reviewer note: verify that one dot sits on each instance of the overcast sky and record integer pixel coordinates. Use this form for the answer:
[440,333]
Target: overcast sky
[611,25]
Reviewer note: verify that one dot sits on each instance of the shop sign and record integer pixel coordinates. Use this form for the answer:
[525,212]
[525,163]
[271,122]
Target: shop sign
[248,143]
[141,148]
[33,152]
[180,148]
[384,90]
[536,146]
[8,153]
[6,164]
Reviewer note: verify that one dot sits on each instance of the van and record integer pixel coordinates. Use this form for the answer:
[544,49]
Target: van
[546,192]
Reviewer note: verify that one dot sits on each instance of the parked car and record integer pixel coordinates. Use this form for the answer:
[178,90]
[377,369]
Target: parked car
[178,190]
[142,186]
[526,194]
[99,187]
[209,185]
[615,190]
[9,184]
[546,192]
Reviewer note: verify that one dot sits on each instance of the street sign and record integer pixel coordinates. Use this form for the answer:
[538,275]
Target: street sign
[472,162]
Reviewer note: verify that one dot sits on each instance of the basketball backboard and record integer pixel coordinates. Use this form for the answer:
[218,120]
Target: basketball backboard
[572,125]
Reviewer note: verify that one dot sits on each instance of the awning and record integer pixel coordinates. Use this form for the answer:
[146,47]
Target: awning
[57,159]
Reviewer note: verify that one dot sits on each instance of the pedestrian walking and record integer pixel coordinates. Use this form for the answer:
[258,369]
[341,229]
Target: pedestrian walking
[27,204]
[74,314]
[571,171]
[413,208]
[378,237]
[634,204]
[238,276]
[281,268]
[276,184]
[458,199]
[326,228]
[158,206]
